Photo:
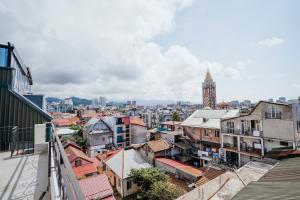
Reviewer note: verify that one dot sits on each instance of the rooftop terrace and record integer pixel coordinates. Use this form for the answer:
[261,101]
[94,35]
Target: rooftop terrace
[26,176]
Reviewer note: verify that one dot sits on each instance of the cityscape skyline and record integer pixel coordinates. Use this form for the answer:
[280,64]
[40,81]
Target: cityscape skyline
[161,55]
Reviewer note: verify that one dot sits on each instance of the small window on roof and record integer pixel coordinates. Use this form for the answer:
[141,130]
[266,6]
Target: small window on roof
[77,163]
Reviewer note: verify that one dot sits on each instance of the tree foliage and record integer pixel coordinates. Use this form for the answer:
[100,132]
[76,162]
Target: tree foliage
[164,190]
[153,184]
[175,116]
[145,177]
[78,136]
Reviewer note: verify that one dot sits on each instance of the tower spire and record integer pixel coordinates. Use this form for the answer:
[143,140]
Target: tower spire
[208,76]
[209,91]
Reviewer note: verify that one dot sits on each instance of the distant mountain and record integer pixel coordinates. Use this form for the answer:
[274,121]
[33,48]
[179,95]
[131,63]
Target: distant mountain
[154,102]
[53,99]
[78,101]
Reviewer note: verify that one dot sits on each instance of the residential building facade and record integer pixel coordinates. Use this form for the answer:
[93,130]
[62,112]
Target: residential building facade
[120,125]
[98,135]
[118,169]
[268,127]
[138,130]
[203,128]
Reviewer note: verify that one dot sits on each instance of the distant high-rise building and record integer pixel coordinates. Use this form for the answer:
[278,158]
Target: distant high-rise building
[209,91]
[102,101]
[281,100]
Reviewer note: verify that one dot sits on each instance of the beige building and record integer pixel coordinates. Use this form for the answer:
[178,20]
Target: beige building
[268,127]
[118,168]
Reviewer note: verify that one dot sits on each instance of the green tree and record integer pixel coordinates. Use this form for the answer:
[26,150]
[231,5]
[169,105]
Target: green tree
[164,190]
[175,116]
[78,136]
[145,178]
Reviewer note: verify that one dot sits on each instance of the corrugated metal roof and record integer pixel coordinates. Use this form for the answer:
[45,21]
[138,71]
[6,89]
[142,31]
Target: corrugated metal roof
[181,166]
[96,187]
[213,118]
[281,182]
[131,159]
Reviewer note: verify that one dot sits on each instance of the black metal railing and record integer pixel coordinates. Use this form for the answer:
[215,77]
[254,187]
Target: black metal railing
[249,149]
[230,146]
[21,141]
[246,131]
[68,186]
[273,115]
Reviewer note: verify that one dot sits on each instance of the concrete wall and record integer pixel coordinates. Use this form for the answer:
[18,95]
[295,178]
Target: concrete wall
[280,129]
[131,191]
[39,133]
[165,167]
[147,155]
[211,135]
[193,133]
[138,134]
[270,144]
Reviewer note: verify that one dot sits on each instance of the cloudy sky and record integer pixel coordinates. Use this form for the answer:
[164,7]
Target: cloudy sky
[157,49]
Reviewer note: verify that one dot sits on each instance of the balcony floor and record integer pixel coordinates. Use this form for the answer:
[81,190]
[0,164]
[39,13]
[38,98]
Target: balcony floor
[24,177]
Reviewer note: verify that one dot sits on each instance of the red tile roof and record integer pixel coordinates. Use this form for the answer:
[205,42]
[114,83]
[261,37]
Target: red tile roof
[158,145]
[84,170]
[97,187]
[96,162]
[65,121]
[74,153]
[181,166]
[107,155]
[71,143]
[137,121]
[92,115]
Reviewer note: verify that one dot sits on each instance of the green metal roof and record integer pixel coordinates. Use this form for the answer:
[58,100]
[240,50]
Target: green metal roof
[281,182]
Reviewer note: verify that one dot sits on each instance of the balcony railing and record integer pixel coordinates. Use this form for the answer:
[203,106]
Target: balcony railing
[230,146]
[250,150]
[64,184]
[273,115]
[248,132]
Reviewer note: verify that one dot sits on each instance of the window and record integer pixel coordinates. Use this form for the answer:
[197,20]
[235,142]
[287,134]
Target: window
[77,163]
[284,143]
[103,139]
[217,133]
[119,182]
[298,126]
[230,127]
[205,133]
[3,57]
[273,113]
[129,184]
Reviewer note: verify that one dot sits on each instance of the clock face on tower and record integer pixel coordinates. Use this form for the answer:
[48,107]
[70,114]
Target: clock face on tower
[209,92]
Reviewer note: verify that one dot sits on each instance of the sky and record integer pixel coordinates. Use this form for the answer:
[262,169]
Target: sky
[157,49]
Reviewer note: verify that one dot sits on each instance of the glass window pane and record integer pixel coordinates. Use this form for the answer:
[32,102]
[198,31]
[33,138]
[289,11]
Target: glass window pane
[3,57]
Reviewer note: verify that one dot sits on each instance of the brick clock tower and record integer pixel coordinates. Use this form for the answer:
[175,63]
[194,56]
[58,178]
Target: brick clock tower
[209,92]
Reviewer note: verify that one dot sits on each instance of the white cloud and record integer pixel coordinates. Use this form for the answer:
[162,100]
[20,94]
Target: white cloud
[105,48]
[269,42]
[232,72]
[241,65]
